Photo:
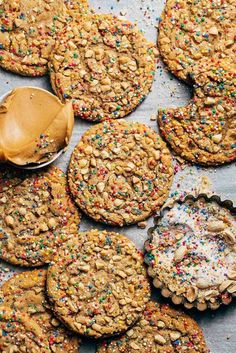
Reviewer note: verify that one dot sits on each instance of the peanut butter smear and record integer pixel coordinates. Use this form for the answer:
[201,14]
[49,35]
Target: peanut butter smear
[34,126]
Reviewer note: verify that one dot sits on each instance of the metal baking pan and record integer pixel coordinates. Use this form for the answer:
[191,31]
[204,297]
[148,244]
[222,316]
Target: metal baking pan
[227,204]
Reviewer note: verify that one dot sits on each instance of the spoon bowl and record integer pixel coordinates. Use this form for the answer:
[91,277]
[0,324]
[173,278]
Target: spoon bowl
[34,166]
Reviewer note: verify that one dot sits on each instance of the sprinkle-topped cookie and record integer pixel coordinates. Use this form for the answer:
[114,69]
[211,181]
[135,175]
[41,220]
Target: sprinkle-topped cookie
[20,333]
[25,292]
[120,172]
[9,177]
[97,285]
[160,329]
[36,216]
[105,65]
[192,254]
[204,131]
[196,31]
[27,34]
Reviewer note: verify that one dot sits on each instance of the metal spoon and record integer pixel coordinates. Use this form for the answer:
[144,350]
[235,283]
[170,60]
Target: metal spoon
[33,166]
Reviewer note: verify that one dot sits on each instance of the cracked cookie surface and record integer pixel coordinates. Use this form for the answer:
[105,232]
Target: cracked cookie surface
[120,172]
[27,35]
[192,32]
[25,292]
[105,65]
[97,285]
[160,329]
[19,333]
[204,131]
[9,178]
[77,7]
[192,254]
[36,216]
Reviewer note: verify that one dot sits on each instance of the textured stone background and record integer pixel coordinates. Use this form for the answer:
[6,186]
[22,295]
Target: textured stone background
[219,327]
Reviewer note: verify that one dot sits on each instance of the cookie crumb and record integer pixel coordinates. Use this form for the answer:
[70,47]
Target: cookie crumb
[204,186]
[142,225]
[153,117]
[123,12]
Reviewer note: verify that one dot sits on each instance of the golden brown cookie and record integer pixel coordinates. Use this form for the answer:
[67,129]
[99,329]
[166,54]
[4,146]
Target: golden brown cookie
[105,65]
[192,253]
[28,29]
[192,32]
[36,217]
[25,292]
[120,172]
[20,333]
[9,178]
[97,285]
[204,131]
[161,329]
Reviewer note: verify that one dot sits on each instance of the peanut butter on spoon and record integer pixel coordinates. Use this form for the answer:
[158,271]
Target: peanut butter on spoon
[34,126]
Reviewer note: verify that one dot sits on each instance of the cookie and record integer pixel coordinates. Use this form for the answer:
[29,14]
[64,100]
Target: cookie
[36,217]
[97,285]
[192,253]
[25,292]
[191,32]
[120,172]
[204,131]
[28,29]
[105,65]
[161,329]
[9,178]
[19,333]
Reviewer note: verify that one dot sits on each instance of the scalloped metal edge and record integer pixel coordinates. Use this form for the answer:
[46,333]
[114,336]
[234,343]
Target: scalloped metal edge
[165,291]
